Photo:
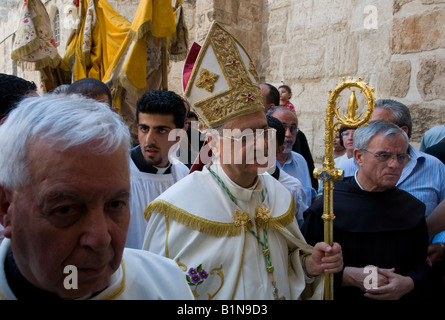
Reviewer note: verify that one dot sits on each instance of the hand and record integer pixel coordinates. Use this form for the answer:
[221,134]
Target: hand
[435,251]
[396,288]
[356,277]
[324,259]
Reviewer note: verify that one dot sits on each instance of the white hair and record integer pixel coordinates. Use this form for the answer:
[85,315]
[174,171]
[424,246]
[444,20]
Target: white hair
[63,122]
[364,134]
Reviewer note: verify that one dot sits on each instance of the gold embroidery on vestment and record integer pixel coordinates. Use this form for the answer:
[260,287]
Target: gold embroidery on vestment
[215,228]
[217,271]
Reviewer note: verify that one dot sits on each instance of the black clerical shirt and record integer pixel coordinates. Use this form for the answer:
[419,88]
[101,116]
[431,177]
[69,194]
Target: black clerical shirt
[22,288]
[142,165]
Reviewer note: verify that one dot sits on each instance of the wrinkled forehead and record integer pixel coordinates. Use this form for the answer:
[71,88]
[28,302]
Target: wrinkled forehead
[286,116]
[381,114]
[385,141]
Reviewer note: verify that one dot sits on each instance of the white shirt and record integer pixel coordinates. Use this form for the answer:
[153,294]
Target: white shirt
[145,187]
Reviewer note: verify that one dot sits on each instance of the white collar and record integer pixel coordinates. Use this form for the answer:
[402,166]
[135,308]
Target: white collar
[356,180]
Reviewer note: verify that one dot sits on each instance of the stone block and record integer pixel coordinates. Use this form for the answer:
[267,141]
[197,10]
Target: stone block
[276,31]
[400,78]
[431,78]
[341,58]
[398,4]
[304,59]
[277,4]
[419,32]
[424,117]
[249,11]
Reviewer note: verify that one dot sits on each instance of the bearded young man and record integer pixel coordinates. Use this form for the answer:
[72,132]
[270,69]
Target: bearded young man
[153,167]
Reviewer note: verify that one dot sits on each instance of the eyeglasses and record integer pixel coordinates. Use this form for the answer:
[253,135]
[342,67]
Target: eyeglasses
[251,135]
[293,128]
[402,158]
[347,133]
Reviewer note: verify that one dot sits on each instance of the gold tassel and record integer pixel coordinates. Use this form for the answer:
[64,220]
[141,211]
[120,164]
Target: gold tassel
[264,220]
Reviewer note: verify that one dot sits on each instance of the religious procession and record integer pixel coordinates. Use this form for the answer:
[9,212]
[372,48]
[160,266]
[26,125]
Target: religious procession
[141,165]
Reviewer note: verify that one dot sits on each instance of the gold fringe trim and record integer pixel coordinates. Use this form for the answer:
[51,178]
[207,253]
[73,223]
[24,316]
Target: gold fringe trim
[278,222]
[40,64]
[129,86]
[177,57]
[25,50]
[143,32]
[218,229]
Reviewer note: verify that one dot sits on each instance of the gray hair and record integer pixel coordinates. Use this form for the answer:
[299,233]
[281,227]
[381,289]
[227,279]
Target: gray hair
[364,134]
[273,109]
[400,114]
[63,88]
[64,122]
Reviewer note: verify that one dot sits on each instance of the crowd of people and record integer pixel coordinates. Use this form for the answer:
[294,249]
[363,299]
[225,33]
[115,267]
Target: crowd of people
[86,213]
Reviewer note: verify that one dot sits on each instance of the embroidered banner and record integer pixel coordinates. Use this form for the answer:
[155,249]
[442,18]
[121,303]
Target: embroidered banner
[34,46]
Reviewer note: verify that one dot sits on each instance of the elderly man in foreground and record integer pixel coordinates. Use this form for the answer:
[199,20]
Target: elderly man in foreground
[64,194]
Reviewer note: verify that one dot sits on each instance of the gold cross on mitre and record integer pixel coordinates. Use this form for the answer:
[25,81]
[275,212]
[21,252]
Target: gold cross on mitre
[223,83]
[207,80]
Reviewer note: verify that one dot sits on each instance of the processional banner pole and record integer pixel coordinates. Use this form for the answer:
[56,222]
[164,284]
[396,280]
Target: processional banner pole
[328,173]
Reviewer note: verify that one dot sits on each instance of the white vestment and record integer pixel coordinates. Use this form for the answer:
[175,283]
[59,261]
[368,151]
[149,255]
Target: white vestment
[145,187]
[193,223]
[141,276]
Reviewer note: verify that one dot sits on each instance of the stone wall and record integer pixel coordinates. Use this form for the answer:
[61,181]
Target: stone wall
[418,61]
[8,19]
[397,46]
